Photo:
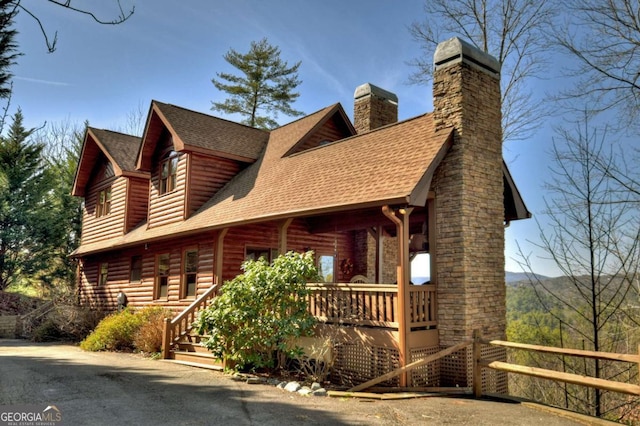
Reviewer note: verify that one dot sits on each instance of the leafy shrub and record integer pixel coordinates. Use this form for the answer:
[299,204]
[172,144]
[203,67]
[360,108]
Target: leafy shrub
[148,338]
[114,333]
[260,311]
[129,330]
[46,331]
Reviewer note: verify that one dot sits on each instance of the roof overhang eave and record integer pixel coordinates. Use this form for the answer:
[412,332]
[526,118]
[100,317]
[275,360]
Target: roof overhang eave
[178,233]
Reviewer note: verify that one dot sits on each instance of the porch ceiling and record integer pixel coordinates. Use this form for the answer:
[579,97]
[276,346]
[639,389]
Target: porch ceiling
[362,219]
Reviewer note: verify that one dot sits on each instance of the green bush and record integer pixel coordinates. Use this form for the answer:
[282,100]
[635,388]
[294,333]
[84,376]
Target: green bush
[114,333]
[260,311]
[148,338]
[128,330]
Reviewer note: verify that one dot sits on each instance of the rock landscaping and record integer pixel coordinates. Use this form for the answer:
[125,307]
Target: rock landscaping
[315,389]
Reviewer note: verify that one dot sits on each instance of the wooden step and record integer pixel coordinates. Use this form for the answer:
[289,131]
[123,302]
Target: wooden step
[192,347]
[197,359]
[191,337]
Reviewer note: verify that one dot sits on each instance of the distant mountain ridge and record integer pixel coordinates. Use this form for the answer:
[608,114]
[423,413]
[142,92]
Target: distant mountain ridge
[509,277]
[513,277]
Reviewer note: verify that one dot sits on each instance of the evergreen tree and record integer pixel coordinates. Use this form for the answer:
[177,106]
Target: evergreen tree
[25,205]
[8,46]
[268,84]
[63,146]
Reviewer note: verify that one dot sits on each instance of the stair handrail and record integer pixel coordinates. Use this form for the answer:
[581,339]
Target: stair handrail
[27,320]
[43,309]
[175,328]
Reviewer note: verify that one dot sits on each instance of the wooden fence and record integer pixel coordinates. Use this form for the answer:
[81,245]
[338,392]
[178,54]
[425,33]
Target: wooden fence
[478,364]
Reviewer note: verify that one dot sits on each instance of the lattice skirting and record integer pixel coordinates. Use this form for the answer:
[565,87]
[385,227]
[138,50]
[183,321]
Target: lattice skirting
[456,370]
[356,363]
[494,381]
[427,375]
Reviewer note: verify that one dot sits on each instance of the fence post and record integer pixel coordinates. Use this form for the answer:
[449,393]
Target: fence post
[477,369]
[166,344]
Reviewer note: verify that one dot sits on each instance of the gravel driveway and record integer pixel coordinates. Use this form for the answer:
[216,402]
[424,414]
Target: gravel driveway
[126,389]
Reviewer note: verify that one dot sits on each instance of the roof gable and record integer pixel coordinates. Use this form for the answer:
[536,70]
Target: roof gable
[194,131]
[335,125]
[118,148]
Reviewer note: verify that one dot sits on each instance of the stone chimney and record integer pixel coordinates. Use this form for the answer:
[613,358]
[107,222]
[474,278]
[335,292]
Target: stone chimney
[469,200]
[373,107]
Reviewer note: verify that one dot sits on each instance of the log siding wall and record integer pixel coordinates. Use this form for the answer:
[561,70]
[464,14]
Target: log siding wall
[142,292]
[206,176]
[169,207]
[137,202]
[111,225]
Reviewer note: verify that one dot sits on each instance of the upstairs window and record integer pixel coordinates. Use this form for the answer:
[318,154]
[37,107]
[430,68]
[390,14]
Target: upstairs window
[168,172]
[103,203]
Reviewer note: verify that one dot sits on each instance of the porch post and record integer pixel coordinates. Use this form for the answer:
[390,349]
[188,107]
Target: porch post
[403,277]
[219,256]
[376,234]
[282,235]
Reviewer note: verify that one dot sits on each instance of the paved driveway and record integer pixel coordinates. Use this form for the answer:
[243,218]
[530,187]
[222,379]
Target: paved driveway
[126,389]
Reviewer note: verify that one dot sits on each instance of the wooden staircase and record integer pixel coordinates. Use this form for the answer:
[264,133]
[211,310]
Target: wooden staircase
[181,344]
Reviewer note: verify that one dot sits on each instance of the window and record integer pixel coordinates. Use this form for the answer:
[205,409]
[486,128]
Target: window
[103,204]
[326,266]
[136,269]
[257,253]
[189,273]
[162,275]
[103,273]
[168,172]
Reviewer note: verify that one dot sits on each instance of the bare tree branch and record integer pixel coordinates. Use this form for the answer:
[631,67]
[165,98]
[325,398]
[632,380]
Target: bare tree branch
[122,15]
[514,31]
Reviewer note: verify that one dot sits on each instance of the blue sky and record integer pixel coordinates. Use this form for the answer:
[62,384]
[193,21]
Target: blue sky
[169,51]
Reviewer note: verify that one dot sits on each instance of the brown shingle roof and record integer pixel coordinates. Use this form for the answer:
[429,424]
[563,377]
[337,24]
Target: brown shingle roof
[385,166]
[195,129]
[378,167]
[122,148]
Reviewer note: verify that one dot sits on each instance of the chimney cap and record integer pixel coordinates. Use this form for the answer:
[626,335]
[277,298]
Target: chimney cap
[456,50]
[369,89]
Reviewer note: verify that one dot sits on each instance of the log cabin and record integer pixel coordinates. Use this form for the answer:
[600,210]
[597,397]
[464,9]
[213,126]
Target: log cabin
[170,216]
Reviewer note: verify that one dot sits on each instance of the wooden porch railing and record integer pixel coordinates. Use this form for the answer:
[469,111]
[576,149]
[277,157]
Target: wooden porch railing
[370,304]
[354,304]
[422,305]
[182,324]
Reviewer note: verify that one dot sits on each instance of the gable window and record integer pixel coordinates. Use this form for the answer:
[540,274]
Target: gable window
[103,204]
[136,269]
[168,173]
[162,275]
[189,273]
[103,273]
